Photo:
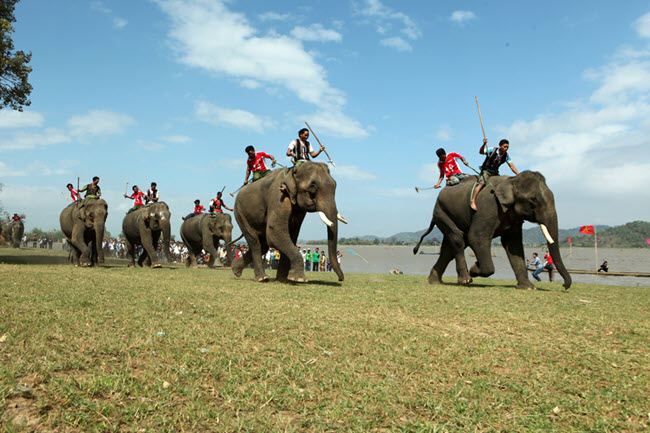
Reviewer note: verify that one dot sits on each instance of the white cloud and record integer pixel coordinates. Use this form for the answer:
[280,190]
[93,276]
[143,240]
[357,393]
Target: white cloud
[397,43]
[619,82]
[642,26]
[337,124]
[250,84]
[99,6]
[98,123]
[24,141]
[274,16]
[177,139]
[40,168]
[232,164]
[316,32]
[149,145]
[6,171]
[20,119]
[461,17]
[240,119]
[444,133]
[352,172]
[384,18]
[119,23]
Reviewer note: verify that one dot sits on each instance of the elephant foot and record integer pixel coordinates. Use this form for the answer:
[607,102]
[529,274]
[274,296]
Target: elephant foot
[434,278]
[131,265]
[526,286]
[464,281]
[263,279]
[157,265]
[297,276]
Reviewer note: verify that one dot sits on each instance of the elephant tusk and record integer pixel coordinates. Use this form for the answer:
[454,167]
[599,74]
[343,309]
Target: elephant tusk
[547,235]
[323,218]
[340,218]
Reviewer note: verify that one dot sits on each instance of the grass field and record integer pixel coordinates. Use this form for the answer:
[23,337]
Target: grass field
[174,349]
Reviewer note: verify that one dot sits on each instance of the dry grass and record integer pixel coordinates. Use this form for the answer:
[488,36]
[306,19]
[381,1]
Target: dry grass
[135,350]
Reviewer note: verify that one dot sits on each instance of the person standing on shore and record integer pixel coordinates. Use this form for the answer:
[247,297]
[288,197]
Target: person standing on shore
[537,263]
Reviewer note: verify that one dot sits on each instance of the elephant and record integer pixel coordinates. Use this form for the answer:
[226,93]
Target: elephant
[143,227]
[270,212]
[14,232]
[503,206]
[83,224]
[203,232]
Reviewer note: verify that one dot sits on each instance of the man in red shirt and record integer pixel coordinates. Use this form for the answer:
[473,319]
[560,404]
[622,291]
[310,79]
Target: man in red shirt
[198,209]
[448,167]
[74,194]
[137,196]
[255,164]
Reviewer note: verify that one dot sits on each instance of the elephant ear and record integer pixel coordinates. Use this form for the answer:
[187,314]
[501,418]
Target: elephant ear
[505,194]
[288,185]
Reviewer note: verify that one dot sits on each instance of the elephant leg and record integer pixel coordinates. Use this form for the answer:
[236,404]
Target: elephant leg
[79,242]
[453,247]
[74,255]
[291,266]
[149,249]
[480,240]
[512,243]
[130,250]
[208,246]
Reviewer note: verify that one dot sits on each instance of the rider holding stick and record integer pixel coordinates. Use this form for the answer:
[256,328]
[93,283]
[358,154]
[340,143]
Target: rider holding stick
[300,149]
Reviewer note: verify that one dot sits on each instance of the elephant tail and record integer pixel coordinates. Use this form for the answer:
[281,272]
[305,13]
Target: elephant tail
[234,240]
[431,226]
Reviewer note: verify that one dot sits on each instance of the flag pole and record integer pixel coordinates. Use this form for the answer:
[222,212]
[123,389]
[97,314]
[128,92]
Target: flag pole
[596,246]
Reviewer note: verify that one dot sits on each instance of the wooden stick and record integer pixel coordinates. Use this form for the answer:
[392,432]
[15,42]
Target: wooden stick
[223,189]
[479,116]
[126,188]
[418,189]
[232,194]
[314,134]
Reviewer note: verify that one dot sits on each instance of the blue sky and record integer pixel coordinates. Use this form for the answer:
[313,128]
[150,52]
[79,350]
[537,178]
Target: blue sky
[172,91]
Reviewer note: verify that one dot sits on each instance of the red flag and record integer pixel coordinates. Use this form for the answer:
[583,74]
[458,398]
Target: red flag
[569,240]
[587,230]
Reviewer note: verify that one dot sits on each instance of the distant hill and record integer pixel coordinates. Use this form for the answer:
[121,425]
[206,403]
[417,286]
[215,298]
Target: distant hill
[630,235]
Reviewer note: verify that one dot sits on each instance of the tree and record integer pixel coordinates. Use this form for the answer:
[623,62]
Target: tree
[14,66]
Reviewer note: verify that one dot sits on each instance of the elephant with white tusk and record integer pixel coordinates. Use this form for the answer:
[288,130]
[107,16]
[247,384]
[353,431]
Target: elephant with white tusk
[270,212]
[503,206]
[144,226]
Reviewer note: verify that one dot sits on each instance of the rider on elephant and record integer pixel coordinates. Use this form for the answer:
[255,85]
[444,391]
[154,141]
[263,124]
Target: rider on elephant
[93,191]
[300,149]
[16,217]
[255,164]
[494,158]
[198,209]
[74,194]
[137,197]
[217,203]
[448,167]
[152,194]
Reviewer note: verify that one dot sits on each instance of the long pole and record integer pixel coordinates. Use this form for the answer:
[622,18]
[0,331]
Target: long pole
[314,134]
[480,117]
[596,246]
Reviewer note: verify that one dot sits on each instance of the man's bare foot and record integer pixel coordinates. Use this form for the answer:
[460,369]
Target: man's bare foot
[473,205]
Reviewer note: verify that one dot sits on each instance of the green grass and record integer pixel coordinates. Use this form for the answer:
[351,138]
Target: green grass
[174,349]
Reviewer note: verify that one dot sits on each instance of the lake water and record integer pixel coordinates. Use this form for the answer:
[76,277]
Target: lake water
[384,258]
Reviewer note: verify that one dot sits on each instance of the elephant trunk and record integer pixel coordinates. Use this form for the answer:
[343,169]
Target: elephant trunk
[554,250]
[99,239]
[332,242]
[227,239]
[166,231]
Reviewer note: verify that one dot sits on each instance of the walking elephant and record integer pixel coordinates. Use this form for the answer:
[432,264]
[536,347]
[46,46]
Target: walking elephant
[143,227]
[503,205]
[14,233]
[203,232]
[84,225]
[270,212]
